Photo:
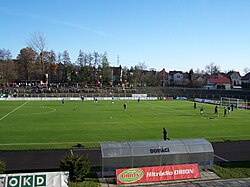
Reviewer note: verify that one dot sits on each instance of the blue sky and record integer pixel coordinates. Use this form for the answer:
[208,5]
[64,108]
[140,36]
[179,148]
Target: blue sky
[170,34]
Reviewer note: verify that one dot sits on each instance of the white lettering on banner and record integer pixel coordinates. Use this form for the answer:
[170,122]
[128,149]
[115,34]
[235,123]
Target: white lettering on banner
[40,180]
[26,181]
[165,173]
[13,182]
[156,174]
[183,171]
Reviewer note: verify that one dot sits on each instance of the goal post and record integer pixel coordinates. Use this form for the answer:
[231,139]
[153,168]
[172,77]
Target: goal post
[237,103]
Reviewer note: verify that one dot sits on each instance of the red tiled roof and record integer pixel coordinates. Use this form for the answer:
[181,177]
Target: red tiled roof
[219,79]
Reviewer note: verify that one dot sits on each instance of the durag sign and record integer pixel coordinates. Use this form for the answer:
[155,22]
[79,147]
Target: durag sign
[48,179]
[160,173]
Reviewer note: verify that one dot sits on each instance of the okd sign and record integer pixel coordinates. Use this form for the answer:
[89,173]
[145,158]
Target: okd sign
[152,174]
[59,179]
[28,180]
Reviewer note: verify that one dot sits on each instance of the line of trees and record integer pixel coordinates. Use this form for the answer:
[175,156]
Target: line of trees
[89,68]
[33,63]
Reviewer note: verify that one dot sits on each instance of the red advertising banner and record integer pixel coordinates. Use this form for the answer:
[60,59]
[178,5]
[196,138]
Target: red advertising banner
[159,173]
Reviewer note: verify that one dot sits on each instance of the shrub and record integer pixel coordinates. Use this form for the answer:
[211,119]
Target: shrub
[77,165]
[2,166]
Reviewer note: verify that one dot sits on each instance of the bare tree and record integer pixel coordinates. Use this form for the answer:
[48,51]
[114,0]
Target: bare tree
[38,42]
[138,73]
[246,70]
[212,69]
[6,66]
[141,66]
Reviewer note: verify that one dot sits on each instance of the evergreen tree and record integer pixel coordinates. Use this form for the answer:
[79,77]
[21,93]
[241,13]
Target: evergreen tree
[68,67]
[106,72]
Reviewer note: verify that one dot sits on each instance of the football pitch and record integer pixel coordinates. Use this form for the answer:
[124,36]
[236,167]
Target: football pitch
[52,125]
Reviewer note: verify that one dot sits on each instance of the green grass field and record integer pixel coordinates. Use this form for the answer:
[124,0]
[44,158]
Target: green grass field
[51,125]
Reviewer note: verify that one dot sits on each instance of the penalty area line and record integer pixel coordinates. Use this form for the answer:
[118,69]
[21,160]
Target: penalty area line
[14,110]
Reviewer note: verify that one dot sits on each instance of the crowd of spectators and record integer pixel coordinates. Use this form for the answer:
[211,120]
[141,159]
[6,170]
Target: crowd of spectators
[15,89]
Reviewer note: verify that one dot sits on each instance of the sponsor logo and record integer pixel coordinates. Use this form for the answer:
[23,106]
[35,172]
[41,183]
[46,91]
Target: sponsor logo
[131,175]
[160,173]
[24,181]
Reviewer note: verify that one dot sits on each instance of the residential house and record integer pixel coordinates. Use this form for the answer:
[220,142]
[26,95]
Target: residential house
[162,76]
[246,79]
[199,81]
[175,78]
[235,78]
[218,82]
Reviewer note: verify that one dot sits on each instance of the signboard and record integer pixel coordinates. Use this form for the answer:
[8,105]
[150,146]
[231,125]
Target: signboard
[206,101]
[48,179]
[139,95]
[160,173]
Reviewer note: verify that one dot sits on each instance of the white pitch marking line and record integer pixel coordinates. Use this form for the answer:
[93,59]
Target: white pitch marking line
[221,158]
[14,110]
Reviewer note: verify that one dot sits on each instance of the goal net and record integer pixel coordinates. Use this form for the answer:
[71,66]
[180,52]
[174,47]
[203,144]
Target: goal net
[237,103]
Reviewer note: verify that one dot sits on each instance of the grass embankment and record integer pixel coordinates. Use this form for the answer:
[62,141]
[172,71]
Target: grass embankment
[233,170]
[89,182]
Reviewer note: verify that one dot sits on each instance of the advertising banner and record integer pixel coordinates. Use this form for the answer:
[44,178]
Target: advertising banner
[159,173]
[206,101]
[47,179]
